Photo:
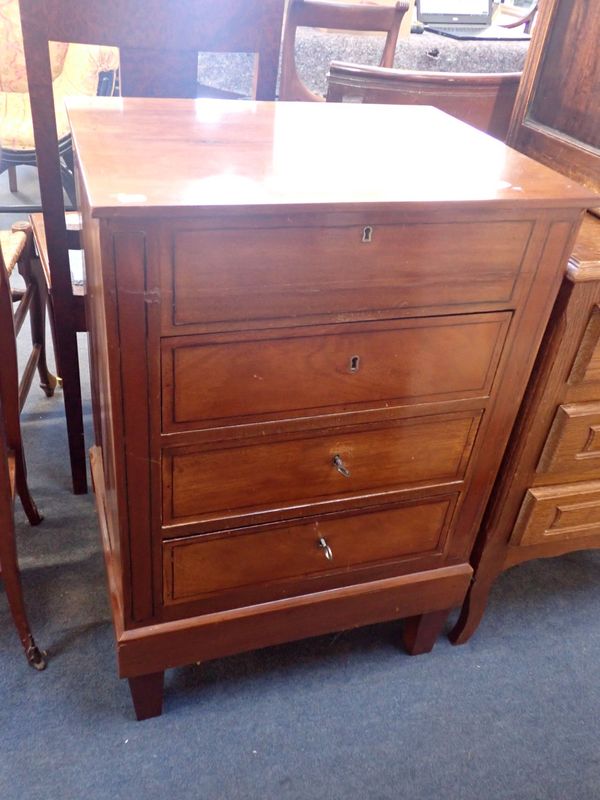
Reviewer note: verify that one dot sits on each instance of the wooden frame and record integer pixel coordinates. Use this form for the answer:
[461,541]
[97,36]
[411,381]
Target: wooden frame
[338,16]
[553,146]
[159,48]
[483,100]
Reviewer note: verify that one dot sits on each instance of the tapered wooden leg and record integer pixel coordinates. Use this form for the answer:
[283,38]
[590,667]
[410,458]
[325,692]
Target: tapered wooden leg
[147,694]
[420,633]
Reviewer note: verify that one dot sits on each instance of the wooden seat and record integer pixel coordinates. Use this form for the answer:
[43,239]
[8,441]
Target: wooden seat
[337,16]
[483,100]
[13,473]
[159,48]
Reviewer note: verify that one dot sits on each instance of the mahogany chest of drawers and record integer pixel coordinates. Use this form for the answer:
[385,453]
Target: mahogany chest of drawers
[306,356]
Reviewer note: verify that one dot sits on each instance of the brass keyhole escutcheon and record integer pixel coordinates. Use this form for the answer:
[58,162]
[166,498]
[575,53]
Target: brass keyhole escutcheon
[367,236]
[354,364]
[340,466]
[327,551]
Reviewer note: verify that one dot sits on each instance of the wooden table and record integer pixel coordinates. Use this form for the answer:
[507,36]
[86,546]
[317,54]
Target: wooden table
[307,354]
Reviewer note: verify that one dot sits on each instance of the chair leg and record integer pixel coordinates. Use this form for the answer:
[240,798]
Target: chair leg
[12,179]
[9,393]
[35,282]
[68,366]
[14,591]
[37,317]
[67,173]
[10,568]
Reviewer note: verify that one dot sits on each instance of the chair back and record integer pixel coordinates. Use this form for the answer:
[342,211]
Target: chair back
[339,17]
[159,42]
[484,100]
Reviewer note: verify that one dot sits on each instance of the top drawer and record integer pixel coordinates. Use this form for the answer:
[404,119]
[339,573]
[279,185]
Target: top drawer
[244,275]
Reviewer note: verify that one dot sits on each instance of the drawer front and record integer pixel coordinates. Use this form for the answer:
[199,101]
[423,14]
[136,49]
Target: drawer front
[234,275]
[573,443]
[586,366]
[554,513]
[413,360]
[198,567]
[218,483]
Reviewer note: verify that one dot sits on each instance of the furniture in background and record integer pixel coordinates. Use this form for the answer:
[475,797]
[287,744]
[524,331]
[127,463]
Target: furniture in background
[158,47]
[13,473]
[340,16]
[483,100]
[525,18]
[76,69]
[33,300]
[304,368]
[546,501]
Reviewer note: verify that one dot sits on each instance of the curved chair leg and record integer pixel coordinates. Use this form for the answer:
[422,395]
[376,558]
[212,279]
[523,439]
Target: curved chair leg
[8,561]
[14,592]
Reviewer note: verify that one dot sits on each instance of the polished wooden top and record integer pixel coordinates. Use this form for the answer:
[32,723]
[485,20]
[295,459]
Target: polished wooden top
[140,156]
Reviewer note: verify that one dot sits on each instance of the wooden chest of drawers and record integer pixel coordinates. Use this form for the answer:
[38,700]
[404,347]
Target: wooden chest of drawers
[306,361]
[546,500]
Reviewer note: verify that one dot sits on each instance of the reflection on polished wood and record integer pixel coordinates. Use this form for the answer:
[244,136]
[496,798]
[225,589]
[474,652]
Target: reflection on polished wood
[307,356]
[241,155]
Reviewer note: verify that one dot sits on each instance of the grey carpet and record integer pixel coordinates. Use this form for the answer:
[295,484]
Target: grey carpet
[513,715]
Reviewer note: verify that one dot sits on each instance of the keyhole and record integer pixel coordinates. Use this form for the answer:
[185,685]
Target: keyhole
[354,363]
[367,234]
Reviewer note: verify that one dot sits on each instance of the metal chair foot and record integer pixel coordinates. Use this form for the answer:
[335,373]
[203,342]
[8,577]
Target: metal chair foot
[36,657]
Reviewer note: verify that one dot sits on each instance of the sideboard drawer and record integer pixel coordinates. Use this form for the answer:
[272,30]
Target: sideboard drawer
[197,567]
[573,442]
[436,359]
[203,483]
[555,513]
[295,272]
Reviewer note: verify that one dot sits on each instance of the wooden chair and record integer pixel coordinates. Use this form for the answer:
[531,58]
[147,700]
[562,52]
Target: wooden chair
[482,100]
[13,474]
[76,70]
[33,298]
[159,41]
[525,19]
[337,16]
